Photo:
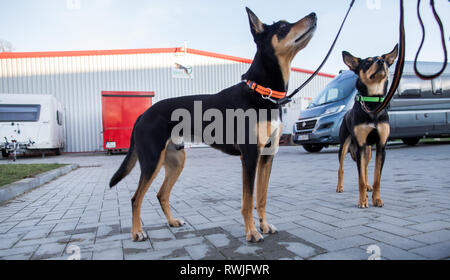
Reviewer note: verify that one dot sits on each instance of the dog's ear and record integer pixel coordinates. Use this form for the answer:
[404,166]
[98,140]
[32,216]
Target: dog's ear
[351,61]
[390,57]
[256,26]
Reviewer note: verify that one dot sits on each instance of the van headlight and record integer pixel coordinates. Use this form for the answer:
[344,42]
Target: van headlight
[334,110]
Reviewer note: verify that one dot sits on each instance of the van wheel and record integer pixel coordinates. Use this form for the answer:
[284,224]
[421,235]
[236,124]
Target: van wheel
[313,148]
[411,141]
[5,154]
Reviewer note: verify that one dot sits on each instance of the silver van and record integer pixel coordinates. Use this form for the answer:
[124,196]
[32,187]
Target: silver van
[419,109]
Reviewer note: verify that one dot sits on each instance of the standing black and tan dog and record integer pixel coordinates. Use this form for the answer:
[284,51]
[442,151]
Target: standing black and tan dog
[361,129]
[267,79]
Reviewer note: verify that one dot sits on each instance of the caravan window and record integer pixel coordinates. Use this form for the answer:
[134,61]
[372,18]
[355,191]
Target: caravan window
[413,87]
[441,86]
[445,85]
[409,87]
[19,113]
[59,117]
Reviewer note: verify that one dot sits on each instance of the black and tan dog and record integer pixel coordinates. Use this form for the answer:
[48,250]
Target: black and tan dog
[267,79]
[361,129]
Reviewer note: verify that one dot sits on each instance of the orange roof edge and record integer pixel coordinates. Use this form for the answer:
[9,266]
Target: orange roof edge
[16,55]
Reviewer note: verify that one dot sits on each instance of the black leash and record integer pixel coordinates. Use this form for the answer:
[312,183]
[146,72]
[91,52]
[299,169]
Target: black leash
[401,58]
[441,28]
[399,66]
[288,98]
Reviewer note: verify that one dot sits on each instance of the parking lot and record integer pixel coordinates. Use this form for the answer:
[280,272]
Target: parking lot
[314,222]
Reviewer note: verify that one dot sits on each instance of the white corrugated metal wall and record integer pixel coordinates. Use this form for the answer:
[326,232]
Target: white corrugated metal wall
[77,81]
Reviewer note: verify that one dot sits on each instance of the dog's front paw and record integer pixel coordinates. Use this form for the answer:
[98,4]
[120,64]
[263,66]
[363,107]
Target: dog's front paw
[139,235]
[176,223]
[377,202]
[268,228]
[339,189]
[363,203]
[254,236]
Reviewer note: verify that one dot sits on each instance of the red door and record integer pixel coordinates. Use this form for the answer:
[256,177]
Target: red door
[120,109]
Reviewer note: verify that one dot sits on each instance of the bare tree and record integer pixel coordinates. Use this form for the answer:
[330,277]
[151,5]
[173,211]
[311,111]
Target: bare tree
[6,46]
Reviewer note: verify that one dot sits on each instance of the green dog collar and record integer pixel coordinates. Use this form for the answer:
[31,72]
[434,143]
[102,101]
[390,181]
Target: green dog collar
[378,99]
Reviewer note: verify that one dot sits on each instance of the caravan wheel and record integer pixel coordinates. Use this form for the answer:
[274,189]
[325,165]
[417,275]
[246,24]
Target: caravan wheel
[5,154]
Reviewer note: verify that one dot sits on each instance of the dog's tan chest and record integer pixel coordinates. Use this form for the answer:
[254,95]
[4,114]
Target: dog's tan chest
[362,131]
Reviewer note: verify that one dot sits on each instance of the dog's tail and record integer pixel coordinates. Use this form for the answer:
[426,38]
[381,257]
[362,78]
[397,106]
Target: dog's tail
[127,165]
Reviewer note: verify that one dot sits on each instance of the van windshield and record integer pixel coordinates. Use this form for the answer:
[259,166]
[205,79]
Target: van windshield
[338,89]
[16,113]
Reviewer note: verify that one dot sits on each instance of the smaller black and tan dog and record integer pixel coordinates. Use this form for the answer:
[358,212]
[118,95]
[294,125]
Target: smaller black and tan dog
[361,129]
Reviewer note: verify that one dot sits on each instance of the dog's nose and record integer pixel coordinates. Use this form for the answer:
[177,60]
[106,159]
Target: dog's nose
[380,61]
[313,15]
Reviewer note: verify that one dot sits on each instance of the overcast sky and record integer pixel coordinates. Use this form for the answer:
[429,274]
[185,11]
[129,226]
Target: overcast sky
[217,26]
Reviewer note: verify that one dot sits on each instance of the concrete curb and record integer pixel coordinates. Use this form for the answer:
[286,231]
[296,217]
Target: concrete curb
[17,188]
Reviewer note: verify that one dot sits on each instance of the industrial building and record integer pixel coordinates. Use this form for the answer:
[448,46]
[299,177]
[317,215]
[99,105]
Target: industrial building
[77,79]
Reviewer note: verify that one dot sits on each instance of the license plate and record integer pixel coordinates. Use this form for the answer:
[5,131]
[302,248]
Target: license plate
[110,145]
[302,137]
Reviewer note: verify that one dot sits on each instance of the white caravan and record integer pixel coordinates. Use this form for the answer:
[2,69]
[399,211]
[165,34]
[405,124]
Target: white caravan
[31,122]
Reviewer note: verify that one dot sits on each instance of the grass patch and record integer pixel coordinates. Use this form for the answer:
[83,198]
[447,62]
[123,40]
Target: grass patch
[10,173]
[435,140]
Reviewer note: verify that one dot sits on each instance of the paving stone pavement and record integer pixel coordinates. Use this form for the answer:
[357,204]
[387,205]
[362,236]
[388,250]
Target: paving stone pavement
[314,222]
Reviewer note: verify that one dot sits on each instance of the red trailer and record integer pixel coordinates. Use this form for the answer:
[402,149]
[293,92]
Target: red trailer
[120,109]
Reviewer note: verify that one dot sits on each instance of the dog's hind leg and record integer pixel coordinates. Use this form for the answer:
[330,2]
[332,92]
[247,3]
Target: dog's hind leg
[343,149]
[150,161]
[249,165]
[173,165]
[262,183]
